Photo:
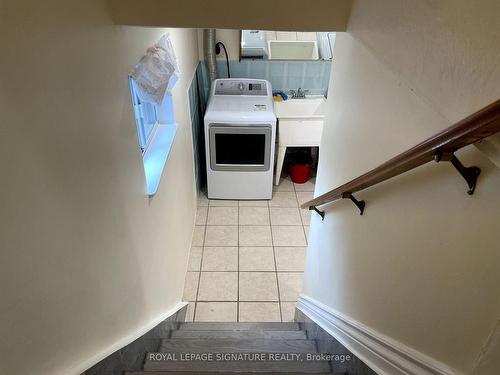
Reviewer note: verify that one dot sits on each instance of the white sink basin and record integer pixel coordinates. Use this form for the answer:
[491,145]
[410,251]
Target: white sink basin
[293,50]
[300,124]
[308,108]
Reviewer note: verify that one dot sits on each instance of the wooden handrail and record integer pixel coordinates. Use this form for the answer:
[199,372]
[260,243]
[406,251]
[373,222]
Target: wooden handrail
[440,147]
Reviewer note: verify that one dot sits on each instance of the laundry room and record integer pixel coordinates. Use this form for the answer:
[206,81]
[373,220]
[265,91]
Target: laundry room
[257,106]
[284,74]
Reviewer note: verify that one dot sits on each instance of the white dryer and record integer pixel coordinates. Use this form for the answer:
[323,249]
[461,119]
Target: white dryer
[240,132]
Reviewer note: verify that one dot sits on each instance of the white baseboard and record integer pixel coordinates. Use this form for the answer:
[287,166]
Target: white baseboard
[86,364]
[381,353]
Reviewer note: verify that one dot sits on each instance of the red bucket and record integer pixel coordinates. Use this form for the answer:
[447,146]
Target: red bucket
[299,173]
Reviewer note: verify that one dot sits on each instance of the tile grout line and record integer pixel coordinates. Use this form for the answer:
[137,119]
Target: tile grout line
[275,265]
[303,228]
[261,245]
[247,301]
[300,213]
[287,271]
[256,225]
[201,264]
[238,266]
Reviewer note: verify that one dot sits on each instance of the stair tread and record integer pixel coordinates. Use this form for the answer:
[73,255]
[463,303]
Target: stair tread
[229,345]
[209,373]
[246,334]
[241,326]
[238,366]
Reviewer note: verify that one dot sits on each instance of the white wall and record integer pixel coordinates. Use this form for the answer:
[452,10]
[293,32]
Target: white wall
[421,265]
[325,15]
[230,38]
[86,258]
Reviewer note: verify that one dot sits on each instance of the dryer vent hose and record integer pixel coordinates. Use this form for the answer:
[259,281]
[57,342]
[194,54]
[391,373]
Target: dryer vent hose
[209,43]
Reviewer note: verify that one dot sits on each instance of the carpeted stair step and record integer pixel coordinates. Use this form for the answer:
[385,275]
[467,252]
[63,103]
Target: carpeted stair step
[234,345]
[243,326]
[273,366]
[235,334]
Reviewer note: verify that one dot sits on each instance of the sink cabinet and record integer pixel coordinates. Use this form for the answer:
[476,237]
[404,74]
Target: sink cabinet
[300,124]
[297,133]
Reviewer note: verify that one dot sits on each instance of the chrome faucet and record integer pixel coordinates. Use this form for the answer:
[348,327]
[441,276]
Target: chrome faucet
[299,94]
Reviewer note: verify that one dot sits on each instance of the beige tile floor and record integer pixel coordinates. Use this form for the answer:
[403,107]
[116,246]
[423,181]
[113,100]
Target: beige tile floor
[247,257]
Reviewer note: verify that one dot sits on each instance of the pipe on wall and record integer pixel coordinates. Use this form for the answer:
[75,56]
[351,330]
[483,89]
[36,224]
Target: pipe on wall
[209,44]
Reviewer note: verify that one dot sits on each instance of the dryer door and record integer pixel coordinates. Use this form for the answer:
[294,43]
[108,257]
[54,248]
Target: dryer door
[240,148]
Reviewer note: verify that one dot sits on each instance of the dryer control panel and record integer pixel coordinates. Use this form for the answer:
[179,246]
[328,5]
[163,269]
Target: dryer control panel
[240,87]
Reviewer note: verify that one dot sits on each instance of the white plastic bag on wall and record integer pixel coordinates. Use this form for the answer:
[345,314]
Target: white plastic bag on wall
[157,72]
